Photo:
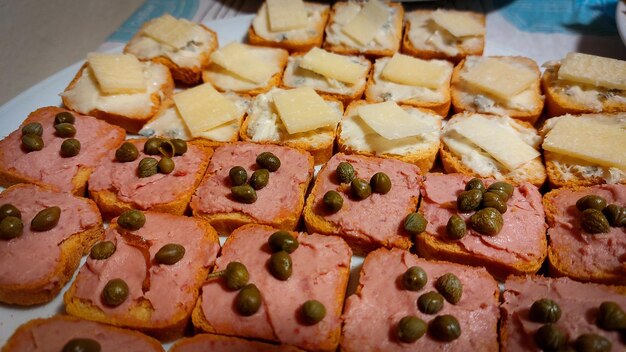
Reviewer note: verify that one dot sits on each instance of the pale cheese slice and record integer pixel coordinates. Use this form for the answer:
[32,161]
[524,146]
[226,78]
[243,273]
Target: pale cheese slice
[590,141]
[595,70]
[241,60]
[302,110]
[498,78]
[285,15]
[117,73]
[332,65]
[503,145]
[391,121]
[170,31]
[203,108]
[411,71]
[363,27]
[458,24]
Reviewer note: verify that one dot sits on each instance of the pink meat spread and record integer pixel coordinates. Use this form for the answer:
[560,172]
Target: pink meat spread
[583,253]
[371,315]
[171,290]
[34,255]
[217,343]
[121,177]
[522,237]
[315,276]
[47,166]
[280,198]
[579,308]
[53,333]
[379,218]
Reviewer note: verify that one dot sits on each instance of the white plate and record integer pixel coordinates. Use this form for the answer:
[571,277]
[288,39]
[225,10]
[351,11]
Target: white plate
[620,19]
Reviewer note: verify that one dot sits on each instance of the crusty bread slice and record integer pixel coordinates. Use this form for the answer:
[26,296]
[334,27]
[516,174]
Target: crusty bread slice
[212,342]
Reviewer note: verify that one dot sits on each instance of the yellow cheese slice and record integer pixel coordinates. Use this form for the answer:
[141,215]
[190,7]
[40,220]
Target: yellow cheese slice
[499,78]
[363,27]
[117,73]
[411,71]
[459,24]
[503,145]
[203,108]
[286,15]
[587,140]
[302,110]
[595,70]
[170,31]
[241,60]
[332,65]
[391,121]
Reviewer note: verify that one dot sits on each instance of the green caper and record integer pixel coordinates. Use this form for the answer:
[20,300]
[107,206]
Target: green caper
[411,329]
[268,161]
[126,152]
[259,179]
[167,149]
[592,343]
[493,200]
[445,328]
[9,209]
[593,221]
[280,265]
[469,200]
[180,146]
[11,227]
[102,250]
[487,221]
[238,175]
[615,214]
[611,317]
[450,287]
[430,302]
[46,219]
[333,201]
[545,311]
[236,275]
[415,223]
[244,193]
[33,128]
[282,241]
[380,183]
[151,147]
[475,183]
[345,172]
[170,254]
[504,197]
[550,338]
[147,167]
[64,117]
[456,228]
[313,311]
[32,142]
[131,220]
[115,292]
[82,345]
[591,201]
[361,189]
[70,147]
[65,130]
[502,186]
[414,278]
[166,165]
[248,300]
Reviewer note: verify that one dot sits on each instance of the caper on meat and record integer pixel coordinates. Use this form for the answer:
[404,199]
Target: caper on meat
[475,183]
[70,147]
[244,193]
[82,345]
[345,172]
[487,221]
[11,227]
[32,142]
[166,165]
[332,201]
[170,254]
[380,183]
[167,149]
[361,189]
[411,329]
[550,338]
[259,179]
[268,161]
[236,275]
[313,311]
[593,221]
[502,186]
[238,175]
[282,241]
[115,292]
[611,316]
[280,265]
[445,328]
[493,200]
[592,343]
[545,310]
[147,167]
[46,219]
[615,215]
[102,250]
[33,128]
[151,146]
[65,130]
[126,152]
[64,117]
[415,223]
[131,220]
[591,201]
[9,209]
[456,228]
[450,287]
[430,302]
[469,201]
[414,278]
[500,193]
[180,146]
[248,300]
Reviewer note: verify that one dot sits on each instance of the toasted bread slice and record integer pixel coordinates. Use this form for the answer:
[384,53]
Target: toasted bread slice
[213,342]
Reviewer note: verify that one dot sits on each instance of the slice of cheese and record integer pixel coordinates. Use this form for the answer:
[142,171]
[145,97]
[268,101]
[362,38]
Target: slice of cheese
[498,78]
[459,24]
[170,31]
[503,145]
[117,73]
[203,108]
[302,110]
[411,71]
[595,70]
[241,60]
[363,27]
[587,140]
[332,65]
[391,121]
[286,15]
